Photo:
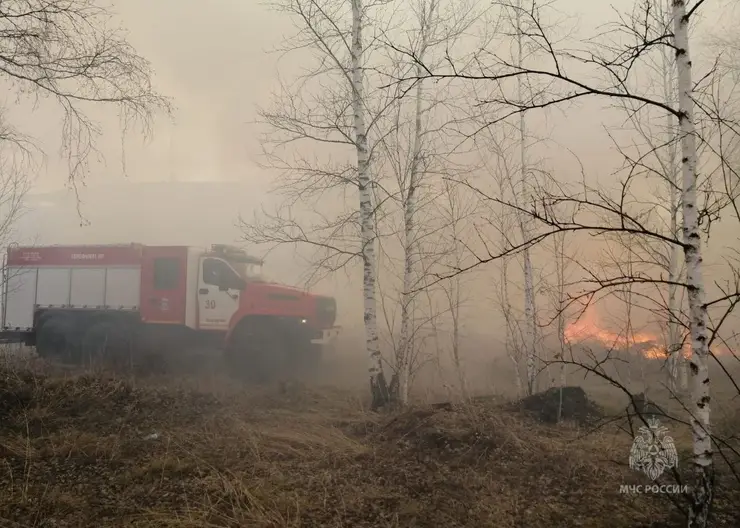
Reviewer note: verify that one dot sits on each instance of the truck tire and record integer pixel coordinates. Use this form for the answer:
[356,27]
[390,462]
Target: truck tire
[256,353]
[305,359]
[55,338]
[105,342]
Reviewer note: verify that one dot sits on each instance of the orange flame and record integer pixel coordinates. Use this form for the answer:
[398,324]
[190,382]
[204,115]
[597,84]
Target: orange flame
[651,346]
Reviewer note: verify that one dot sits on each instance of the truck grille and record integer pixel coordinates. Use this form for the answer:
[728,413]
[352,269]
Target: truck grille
[326,310]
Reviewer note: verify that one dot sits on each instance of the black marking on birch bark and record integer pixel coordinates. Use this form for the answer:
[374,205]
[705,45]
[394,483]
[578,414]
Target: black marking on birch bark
[703,401]
[705,382]
[694,369]
[680,52]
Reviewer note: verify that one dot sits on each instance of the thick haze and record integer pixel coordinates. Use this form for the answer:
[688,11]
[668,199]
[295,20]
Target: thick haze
[213,62]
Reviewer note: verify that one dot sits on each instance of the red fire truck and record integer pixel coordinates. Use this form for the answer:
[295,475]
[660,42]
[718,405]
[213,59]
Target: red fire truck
[88,303]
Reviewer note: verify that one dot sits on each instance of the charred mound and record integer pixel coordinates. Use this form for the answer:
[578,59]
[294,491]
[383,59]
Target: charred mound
[576,406]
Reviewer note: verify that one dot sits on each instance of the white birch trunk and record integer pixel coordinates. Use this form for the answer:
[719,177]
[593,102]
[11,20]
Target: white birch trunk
[378,386]
[628,330]
[560,277]
[529,310]
[677,372]
[455,312]
[702,488]
[403,355]
[675,350]
[509,345]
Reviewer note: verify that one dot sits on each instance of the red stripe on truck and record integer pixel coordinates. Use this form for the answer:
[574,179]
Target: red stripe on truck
[128,255]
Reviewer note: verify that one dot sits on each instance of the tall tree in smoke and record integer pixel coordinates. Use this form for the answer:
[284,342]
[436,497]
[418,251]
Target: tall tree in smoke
[530,314]
[426,14]
[333,108]
[677,371]
[700,424]
[660,137]
[415,148]
[378,386]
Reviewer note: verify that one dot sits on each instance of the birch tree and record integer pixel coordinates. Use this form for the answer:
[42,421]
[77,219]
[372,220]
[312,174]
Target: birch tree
[560,299]
[409,182]
[615,64]
[331,110]
[529,294]
[700,426]
[378,387]
[416,155]
[499,148]
[458,210]
[662,143]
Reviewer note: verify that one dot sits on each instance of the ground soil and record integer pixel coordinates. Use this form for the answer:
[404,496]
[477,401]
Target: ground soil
[93,450]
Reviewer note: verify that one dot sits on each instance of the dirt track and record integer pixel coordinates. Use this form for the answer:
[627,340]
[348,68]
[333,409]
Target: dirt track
[88,451]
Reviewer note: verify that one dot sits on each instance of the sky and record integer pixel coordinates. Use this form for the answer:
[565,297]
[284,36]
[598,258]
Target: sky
[216,65]
[213,65]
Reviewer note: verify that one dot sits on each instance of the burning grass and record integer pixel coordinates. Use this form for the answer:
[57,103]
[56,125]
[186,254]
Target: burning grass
[90,451]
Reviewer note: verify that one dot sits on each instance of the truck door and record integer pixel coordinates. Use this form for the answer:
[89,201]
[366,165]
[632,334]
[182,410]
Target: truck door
[218,294]
[163,284]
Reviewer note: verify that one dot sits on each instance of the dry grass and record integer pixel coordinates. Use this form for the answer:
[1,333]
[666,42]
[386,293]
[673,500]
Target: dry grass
[80,450]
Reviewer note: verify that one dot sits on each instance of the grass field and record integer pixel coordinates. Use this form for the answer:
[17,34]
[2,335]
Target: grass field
[82,449]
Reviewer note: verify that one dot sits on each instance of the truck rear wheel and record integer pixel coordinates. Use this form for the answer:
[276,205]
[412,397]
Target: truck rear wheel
[55,338]
[105,342]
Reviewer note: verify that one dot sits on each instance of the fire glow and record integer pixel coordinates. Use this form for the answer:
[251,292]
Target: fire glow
[588,328]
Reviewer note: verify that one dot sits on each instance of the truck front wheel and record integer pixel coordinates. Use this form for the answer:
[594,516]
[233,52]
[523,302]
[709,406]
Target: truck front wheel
[305,358]
[255,352]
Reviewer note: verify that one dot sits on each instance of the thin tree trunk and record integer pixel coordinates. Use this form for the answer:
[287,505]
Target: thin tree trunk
[403,355]
[509,345]
[703,485]
[560,277]
[629,332]
[529,309]
[455,309]
[378,385]
[675,353]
